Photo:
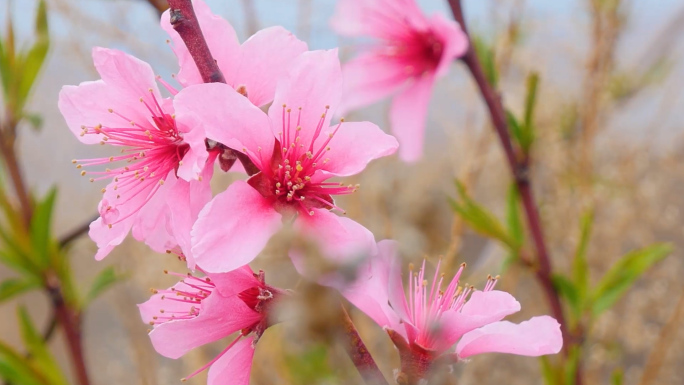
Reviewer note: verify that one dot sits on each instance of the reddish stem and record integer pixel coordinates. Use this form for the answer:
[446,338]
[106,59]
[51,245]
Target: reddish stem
[519,166]
[360,355]
[70,321]
[185,22]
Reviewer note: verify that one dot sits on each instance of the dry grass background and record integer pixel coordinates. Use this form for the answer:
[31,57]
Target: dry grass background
[620,153]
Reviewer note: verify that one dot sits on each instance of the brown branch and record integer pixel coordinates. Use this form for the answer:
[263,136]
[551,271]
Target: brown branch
[76,233]
[185,22]
[360,355]
[70,320]
[9,156]
[519,165]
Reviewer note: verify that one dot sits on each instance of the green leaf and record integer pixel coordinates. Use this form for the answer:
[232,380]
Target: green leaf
[15,286]
[514,127]
[310,367]
[580,267]
[571,364]
[479,218]
[549,372]
[485,54]
[623,274]
[527,128]
[41,239]
[104,280]
[531,98]
[35,120]
[568,290]
[16,369]
[618,377]
[34,59]
[513,219]
[40,355]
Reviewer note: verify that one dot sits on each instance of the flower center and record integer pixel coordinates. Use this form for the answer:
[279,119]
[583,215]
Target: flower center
[153,150]
[296,176]
[418,51]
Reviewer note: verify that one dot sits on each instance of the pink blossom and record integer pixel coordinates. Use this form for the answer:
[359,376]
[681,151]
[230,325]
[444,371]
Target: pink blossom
[296,153]
[162,165]
[200,310]
[430,319]
[251,68]
[412,50]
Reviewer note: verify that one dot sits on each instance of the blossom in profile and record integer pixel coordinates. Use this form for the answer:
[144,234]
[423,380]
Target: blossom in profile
[296,152]
[162,170]
[430,319]
[200,310]
[408,53]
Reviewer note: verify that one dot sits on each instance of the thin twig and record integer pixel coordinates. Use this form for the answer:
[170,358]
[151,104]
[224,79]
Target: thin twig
[519,165]
[76,233]
[667,336]
[360,355]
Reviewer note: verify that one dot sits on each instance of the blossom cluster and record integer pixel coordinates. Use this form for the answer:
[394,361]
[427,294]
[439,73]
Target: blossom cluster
[293,157]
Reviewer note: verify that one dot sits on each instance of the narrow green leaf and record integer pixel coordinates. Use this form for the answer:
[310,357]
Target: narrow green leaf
[514,127]
[531,98]
[35,120]
[485,54]
[513,219]
[40,355]
[34,59]
[549,372]
[623,274]
[618,377]
[41,239]
[580,267]
[568,290]
[527,128]
[479,218]
[15,369]
[15,286]
[571,364]
[104,280]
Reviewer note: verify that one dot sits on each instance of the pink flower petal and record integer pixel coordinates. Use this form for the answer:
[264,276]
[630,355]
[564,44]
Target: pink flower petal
[483,307]
[233,228]
[125,79]
[379,18]
[408,114]
[234,366]
[131,77]
[369,78]
[220,37]
[264,58]
[313,82]
[535,337]
[356,144]
[184,205]
[150,308]
[227,117]
[455,41]
[195,160]
[235,281]
[369,292]
[107,239]
[219,317]
[340,239]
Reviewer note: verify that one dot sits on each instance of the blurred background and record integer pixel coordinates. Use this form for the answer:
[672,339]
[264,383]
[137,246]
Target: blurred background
[608,147]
